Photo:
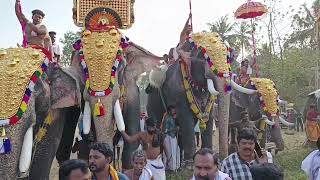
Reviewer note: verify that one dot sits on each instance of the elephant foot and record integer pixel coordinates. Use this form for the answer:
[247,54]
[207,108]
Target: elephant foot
[23,175]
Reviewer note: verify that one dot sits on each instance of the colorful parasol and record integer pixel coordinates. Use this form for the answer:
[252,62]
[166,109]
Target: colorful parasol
[251,10]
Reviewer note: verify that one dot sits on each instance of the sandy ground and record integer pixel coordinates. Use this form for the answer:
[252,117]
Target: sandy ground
[291,142]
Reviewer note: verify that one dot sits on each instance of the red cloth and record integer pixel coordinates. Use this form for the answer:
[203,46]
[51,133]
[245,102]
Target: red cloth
[312,114]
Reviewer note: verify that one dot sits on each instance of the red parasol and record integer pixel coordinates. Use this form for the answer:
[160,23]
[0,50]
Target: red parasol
[250,10]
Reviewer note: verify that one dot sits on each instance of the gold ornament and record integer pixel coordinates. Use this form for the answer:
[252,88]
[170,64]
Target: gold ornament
[269,94]
[216,49]
[15,77]
[95,48]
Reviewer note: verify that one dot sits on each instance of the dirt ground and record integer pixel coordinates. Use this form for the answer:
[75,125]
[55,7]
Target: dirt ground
[293,142]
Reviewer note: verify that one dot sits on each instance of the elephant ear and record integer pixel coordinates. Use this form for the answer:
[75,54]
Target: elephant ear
[64,88]
[139,61]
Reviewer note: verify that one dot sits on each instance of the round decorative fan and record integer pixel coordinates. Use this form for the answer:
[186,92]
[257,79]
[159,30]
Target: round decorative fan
[101,17]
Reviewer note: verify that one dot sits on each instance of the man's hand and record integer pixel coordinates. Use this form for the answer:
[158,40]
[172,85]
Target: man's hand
[264,158]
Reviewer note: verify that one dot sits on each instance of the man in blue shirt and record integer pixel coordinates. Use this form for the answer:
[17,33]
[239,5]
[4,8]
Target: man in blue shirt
[100,159]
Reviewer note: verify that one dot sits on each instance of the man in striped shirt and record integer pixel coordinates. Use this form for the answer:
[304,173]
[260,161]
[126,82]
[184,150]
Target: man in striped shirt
[237,164]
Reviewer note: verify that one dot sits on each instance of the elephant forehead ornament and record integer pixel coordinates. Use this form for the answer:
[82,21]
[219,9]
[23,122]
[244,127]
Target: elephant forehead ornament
[268,95]
[102,44]
[215,53]
[20,69]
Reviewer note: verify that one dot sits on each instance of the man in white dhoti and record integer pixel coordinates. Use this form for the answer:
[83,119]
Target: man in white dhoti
[170,129]
[311,164]
[152,143]
[139,171]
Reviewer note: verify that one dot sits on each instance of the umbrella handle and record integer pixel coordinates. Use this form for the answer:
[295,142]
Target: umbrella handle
[190,7]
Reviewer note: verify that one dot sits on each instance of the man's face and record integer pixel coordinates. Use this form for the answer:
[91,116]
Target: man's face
[53,38]
[37,19]
[138,164]
[151,129]
[97,161]
[246,147]
[173,112]
[204,167]
[77,174]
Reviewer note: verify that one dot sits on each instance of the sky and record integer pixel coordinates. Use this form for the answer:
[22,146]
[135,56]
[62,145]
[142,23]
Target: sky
[157,26]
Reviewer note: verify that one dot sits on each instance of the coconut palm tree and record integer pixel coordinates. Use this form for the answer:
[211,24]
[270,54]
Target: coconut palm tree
[242,36]
[222,27]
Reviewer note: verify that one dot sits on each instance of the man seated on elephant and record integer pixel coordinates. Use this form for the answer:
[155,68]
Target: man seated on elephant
[170,129]
[237,164]
[244,123]
[139,171]
[36,33]
[74,169]
[100,159]
[152,143]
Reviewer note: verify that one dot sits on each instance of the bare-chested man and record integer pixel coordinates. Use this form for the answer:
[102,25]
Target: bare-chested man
[244,123]
[152,141]
[36,33]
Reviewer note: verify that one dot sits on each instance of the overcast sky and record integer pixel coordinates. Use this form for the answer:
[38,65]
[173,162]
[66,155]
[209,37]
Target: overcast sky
[158,23]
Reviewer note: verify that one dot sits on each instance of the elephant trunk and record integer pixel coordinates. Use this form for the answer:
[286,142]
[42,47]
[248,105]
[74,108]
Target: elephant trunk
[242,89]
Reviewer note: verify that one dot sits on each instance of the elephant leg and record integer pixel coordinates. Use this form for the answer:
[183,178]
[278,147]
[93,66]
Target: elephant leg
[206,137]
[276,137]
[70,124]
[186,119]
[46,149]
[131,117]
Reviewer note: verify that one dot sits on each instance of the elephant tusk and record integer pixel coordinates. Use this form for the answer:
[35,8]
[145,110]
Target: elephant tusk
[211,88]
[242,89]
[86,118]
[26,151]
[282,102]
[283,121]
[118,116]
[270,123]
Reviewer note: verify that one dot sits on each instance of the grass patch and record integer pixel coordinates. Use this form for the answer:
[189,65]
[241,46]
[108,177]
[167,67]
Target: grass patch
[291,163]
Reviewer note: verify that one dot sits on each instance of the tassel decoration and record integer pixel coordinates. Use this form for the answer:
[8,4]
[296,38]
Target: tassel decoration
[99,109]
[5,144]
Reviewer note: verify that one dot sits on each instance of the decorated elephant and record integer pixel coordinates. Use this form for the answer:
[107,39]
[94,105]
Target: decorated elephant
[262,107]
[193,94]
[34,97]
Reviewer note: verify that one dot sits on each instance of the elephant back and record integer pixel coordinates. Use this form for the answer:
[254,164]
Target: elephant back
[20,69]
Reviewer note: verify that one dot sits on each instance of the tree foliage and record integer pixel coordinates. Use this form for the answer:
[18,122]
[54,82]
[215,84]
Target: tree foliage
[68,39]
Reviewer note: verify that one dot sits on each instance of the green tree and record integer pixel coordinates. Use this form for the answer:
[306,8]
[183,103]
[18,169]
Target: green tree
[67,41]
[223,27]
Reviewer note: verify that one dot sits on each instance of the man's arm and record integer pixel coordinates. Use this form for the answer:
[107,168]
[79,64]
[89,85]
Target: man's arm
[186,31]
[19,13]
[131,139]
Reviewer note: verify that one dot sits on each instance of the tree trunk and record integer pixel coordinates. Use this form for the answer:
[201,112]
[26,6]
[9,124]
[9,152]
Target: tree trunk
[223,117]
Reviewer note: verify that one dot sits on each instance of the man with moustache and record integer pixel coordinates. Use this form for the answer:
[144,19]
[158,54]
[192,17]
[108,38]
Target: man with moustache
[100,159]
[237,165]
[152,143]
[206,164]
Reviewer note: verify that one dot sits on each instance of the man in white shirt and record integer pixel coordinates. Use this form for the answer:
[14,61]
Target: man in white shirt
[55,47]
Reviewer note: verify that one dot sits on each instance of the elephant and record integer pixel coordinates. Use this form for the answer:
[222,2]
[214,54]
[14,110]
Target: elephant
[175,89]
[36,134]
[135,61]
[253,105]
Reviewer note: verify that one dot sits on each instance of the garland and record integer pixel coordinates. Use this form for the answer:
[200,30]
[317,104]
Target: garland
[203,117]
[227,86]
[123,44]
[30,88]
[272,110]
